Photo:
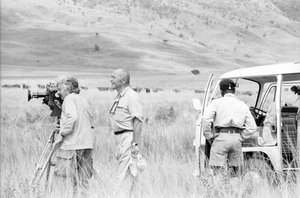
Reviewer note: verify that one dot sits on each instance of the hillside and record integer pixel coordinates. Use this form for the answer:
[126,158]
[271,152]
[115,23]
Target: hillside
[160,41]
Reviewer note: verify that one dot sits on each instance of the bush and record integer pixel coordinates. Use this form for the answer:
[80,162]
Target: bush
[165,114]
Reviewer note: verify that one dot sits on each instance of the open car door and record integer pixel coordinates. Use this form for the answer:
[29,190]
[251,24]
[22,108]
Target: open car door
[199,141]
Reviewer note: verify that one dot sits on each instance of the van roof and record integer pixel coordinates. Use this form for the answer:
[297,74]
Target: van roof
[267,73]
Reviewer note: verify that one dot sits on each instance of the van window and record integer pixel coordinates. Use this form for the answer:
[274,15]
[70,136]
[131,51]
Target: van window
[288,97]
[246,91]
[270,97]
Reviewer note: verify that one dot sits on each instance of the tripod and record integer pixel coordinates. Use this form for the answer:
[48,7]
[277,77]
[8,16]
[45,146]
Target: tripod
[44,163]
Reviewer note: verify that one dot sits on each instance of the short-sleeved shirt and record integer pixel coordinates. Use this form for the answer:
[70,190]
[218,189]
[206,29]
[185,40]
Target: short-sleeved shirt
[126,107]
[228,111]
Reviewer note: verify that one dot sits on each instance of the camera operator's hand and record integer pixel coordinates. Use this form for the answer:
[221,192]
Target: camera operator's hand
[211,140]
[57,127]
[57,142]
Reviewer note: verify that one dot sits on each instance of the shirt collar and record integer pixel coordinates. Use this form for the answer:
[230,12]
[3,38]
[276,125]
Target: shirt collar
[229,95]
[123,93]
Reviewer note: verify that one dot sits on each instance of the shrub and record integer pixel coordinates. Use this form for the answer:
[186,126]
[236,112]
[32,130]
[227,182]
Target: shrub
[165,114]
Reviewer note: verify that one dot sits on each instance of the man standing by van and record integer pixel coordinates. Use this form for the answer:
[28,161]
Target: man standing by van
[232,122]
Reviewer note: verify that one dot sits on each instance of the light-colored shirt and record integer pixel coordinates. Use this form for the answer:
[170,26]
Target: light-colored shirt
[127,106]
[75,123]
[228,111]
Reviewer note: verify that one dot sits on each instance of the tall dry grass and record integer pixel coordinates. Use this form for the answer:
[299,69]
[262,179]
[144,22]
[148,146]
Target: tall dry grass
[168,133]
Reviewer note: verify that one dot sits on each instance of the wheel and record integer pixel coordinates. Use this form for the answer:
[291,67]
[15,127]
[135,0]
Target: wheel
[257,170]
[258,114]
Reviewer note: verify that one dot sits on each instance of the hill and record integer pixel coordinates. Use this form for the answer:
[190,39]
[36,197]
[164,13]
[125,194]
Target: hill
[159,41]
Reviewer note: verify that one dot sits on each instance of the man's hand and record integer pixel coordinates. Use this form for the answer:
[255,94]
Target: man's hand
[135,151]
[57,142]
[57,127]
[211,140]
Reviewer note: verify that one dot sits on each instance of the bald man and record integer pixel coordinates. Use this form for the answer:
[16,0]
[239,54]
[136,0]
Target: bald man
[126,121]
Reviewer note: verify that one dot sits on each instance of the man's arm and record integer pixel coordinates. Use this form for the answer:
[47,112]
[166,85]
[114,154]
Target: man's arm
[137,130]
[207,120]
[67,122]
[70,112]
[136,111]
[250,126]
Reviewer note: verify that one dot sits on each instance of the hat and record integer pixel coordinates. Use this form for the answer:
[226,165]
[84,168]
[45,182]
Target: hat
[227,84]
[138,165]
[295,89]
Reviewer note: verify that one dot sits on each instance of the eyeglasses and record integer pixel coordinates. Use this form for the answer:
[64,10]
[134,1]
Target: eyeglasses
[114,107]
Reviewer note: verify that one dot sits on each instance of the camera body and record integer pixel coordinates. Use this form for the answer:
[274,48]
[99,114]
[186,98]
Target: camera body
[50,98]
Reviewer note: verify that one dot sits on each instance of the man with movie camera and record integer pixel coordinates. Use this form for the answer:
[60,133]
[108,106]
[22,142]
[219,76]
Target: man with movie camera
[73,144]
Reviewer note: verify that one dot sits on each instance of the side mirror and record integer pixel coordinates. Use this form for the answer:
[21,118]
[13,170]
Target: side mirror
[197,104]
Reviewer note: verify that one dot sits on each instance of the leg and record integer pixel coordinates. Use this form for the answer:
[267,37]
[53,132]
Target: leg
[235,157]
[62,184]
[124,178]
[219,151]
[85,170]
[234,171]
[218,170]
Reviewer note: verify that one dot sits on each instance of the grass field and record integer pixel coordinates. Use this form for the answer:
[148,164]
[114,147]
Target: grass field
[160,43]
[168,133]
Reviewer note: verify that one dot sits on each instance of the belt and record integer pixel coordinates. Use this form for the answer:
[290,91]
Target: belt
[228,130]
[123,131]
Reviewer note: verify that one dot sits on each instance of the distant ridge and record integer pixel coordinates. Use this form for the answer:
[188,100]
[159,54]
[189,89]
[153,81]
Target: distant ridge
[156,35]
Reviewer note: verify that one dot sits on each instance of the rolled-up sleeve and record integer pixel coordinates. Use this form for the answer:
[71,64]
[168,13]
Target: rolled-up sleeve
[207,120]
[250,126]
[135,107]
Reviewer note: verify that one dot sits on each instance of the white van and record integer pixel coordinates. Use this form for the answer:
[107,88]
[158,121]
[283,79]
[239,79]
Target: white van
[261,87]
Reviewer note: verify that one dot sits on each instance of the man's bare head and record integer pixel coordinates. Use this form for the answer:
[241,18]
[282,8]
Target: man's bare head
[120,79]
[123,74]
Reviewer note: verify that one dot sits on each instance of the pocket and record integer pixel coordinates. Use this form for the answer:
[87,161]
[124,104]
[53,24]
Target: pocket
[65,163]
[121,114]
[85,163]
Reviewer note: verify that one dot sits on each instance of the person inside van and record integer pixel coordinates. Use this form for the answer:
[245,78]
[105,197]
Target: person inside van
[269,135]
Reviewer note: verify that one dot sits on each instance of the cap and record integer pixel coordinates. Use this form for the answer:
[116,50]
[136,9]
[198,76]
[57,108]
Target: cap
[227,84]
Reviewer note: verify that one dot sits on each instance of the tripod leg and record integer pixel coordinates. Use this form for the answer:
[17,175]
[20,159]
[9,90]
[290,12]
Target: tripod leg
[36,182]
[49,164]
[47,175]
[39,165]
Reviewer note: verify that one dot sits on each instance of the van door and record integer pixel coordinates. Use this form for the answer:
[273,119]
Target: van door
[200,141]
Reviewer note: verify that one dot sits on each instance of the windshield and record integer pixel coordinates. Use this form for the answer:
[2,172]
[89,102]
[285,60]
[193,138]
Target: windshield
[288,97]
[246,91]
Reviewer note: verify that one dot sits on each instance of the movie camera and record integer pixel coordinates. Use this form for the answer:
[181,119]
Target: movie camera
[50,98]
